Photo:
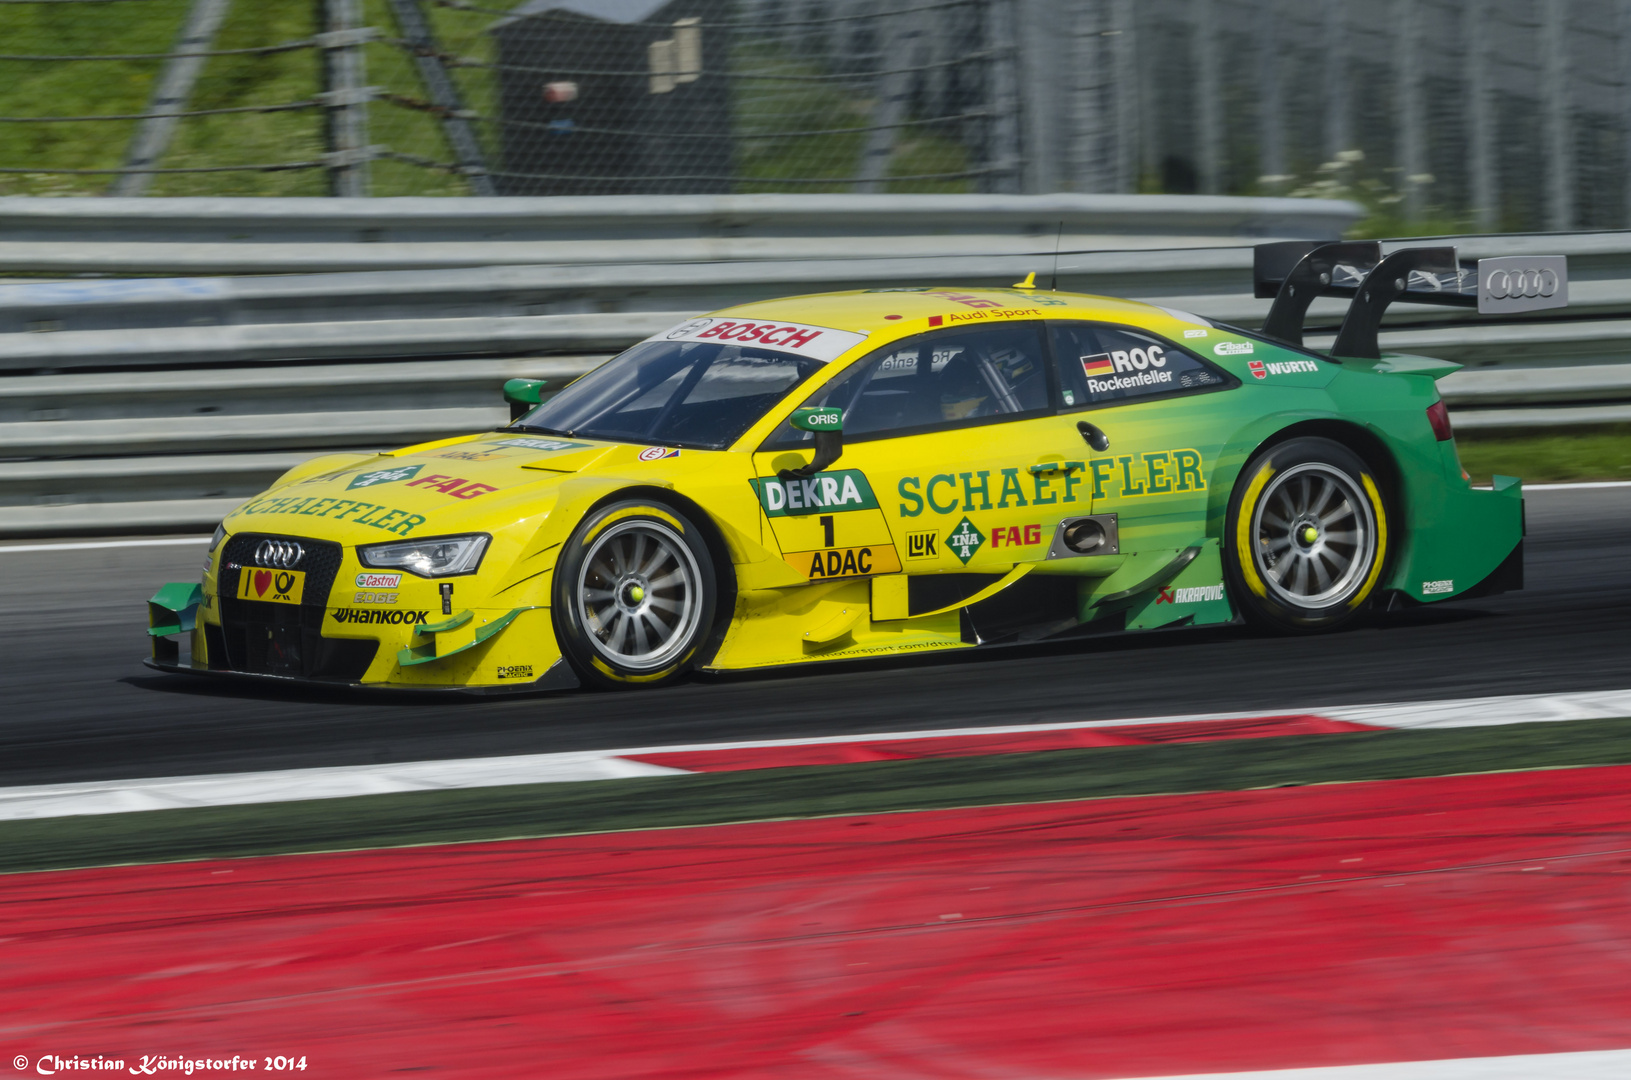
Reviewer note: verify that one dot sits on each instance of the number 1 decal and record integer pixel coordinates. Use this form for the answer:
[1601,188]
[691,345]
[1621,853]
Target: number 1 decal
[826,525]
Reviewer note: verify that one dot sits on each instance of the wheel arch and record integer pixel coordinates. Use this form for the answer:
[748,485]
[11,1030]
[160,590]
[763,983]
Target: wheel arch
[1361,440]
[712,536]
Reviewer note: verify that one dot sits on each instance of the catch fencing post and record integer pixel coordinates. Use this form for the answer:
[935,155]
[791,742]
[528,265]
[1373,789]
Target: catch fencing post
[444,94]
[902,36]
[1004,151]
[1410,103]
[1485,185]
[346,98]
[1203,37]
[170,94]
[1558,136]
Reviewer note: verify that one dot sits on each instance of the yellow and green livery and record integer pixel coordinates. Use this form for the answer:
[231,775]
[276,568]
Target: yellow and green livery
[870,474]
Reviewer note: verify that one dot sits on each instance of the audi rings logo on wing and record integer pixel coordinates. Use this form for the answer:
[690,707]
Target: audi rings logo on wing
[1504,284]
[1510,284]
[279,554]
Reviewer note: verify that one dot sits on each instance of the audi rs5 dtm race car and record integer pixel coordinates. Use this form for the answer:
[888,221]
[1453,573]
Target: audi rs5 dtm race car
[882,473]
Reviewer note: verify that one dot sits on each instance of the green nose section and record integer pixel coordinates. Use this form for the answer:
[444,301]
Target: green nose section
[636,593]
[1310,534]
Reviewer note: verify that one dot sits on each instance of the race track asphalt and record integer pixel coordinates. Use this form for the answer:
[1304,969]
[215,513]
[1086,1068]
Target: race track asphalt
[76,703]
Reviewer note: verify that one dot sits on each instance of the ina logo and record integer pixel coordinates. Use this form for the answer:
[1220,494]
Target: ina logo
[383,476]
[965,540]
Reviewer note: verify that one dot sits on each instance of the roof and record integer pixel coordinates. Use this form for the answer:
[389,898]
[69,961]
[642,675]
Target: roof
[613,11]
[891,313]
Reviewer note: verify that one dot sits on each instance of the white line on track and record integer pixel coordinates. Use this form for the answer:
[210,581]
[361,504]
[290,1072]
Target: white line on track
[1587,1065]
[92,545]
[344,781]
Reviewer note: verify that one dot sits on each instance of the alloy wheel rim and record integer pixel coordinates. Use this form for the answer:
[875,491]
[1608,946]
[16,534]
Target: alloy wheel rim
[1315,536]
[638,594]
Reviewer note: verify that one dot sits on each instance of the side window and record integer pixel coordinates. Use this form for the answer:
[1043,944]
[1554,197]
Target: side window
[934,381]
[1102,365]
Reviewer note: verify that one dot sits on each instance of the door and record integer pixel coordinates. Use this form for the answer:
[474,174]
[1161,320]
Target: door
[953,454]
[1156,403]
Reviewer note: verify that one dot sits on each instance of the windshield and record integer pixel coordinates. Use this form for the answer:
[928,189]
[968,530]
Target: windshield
[673,393]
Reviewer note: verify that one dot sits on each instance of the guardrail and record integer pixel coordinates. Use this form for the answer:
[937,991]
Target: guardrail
[134,405]
[260,236]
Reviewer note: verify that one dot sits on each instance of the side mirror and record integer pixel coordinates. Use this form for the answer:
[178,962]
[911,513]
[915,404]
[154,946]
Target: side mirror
[827,423]
[523,394]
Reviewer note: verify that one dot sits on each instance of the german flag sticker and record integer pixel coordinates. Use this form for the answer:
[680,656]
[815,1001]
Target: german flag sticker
[1095,366]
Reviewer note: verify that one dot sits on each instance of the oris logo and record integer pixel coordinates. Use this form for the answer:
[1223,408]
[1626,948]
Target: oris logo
[1522,283]
[279,554]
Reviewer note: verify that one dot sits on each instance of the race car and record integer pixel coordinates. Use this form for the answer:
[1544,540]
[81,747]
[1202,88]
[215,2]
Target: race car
[884,473]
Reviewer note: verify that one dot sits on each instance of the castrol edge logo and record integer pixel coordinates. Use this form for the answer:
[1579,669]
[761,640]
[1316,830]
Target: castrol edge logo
[817,342]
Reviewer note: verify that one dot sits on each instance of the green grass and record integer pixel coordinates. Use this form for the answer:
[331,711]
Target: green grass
[1585,453]
[874,787]
[763,109]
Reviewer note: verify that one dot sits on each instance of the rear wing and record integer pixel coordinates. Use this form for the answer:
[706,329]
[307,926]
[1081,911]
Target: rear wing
[1297,271]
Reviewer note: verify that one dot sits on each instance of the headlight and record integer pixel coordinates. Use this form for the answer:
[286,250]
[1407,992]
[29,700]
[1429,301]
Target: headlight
[220,535]
[437,556]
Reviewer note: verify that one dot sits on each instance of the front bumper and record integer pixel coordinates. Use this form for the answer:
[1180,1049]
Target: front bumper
[559,676]
[412,634]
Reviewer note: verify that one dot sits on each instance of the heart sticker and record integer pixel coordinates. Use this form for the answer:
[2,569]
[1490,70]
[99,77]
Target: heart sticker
[263,581]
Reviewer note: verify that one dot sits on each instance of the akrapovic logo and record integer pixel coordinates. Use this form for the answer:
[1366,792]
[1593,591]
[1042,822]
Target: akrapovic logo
[394,618]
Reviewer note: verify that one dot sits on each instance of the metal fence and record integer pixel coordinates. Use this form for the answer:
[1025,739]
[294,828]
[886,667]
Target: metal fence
[130,405]
[540,97]
[1507,114]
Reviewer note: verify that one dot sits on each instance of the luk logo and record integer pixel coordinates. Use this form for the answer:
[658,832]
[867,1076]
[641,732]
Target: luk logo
[922,545]
[1232,348]
[844,489]
[965,540]
[384,476]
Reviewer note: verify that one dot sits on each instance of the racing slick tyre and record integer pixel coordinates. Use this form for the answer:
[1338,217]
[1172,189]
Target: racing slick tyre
[1306,539]
[634,595]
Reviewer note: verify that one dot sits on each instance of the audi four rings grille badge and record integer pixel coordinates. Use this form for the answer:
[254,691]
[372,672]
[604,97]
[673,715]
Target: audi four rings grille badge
[279,554]
[1514,283]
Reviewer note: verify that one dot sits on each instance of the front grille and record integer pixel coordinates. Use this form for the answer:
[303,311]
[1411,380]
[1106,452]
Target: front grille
[286,639]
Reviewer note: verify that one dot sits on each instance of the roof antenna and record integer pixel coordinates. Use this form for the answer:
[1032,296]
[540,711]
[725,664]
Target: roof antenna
[1053,282]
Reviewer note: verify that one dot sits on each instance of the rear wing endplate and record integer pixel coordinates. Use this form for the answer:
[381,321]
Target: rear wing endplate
[1295,272]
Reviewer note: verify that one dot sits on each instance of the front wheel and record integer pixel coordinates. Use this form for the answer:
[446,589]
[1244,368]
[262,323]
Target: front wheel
[1307,537]
[634,595]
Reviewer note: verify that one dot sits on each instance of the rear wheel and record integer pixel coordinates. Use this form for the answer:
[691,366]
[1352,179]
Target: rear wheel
[634,595]
[1307,537]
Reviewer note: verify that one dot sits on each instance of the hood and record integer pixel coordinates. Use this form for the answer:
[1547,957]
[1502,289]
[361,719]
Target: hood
[468,484]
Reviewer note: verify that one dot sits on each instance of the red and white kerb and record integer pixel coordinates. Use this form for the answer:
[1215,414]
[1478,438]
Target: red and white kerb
[817,342]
